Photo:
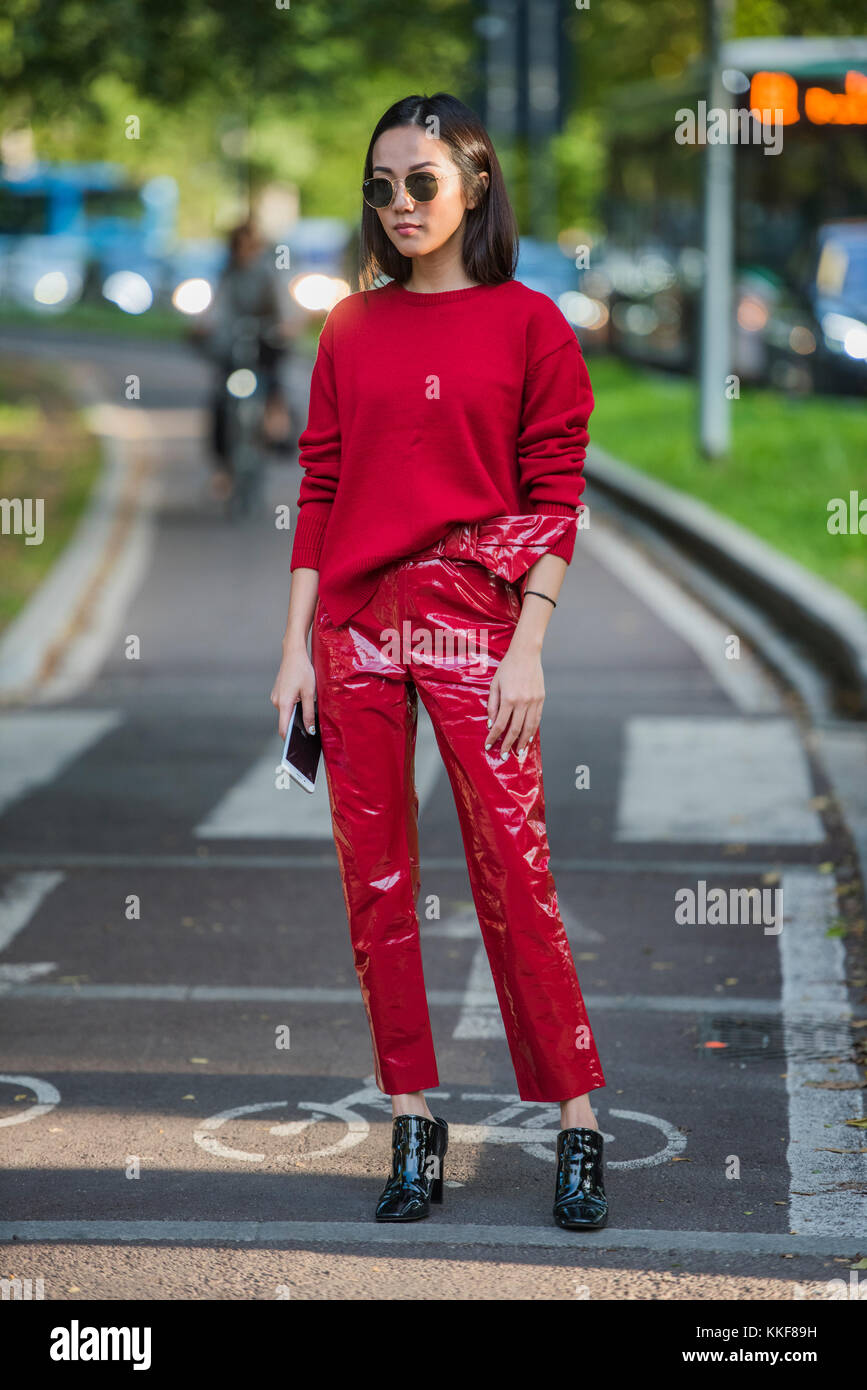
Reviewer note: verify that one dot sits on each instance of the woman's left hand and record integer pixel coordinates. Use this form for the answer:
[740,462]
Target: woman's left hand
[515,700]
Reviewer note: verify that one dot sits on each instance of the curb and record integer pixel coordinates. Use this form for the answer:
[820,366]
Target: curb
[831,626]
[53,647]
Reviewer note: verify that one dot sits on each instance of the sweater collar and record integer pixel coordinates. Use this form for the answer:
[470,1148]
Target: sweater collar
[424,301]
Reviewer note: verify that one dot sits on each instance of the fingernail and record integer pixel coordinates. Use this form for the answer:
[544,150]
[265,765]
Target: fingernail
[311,728]
[523,753]
[490,722]
[504,755]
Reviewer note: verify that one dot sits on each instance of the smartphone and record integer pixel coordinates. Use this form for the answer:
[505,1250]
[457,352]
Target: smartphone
[301,751]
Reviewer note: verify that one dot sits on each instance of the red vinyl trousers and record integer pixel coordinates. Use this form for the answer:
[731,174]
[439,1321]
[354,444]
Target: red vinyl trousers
[437,626]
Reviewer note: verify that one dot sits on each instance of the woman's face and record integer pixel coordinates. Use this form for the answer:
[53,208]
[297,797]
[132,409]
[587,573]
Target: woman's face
[416,229]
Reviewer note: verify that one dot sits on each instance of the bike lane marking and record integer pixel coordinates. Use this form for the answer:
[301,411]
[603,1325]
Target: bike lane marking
[47,1097]
[531,1135]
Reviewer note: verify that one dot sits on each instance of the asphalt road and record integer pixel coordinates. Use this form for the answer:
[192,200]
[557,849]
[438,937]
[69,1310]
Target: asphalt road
[167,909]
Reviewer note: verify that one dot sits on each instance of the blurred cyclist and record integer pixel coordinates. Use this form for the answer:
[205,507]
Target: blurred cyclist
[248,289]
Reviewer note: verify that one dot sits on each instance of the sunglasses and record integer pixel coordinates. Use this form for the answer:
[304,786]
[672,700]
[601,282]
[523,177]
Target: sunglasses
[379,192]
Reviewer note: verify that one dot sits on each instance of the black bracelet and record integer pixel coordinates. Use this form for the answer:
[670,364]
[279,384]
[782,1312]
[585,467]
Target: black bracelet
[538,595]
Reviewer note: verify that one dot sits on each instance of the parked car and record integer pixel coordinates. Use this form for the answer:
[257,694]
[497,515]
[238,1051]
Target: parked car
[816,333]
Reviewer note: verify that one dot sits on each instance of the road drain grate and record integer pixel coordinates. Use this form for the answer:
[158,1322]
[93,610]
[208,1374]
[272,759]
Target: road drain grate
[759,1039]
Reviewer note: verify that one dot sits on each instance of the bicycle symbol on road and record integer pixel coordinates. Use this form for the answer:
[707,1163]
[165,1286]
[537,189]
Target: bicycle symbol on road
[525,1123]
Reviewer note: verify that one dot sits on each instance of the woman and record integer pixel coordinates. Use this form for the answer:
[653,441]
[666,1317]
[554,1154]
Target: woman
[443,456]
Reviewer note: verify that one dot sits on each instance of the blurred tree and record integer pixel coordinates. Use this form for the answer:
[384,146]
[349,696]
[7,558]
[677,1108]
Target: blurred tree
[168,50]
[229,93]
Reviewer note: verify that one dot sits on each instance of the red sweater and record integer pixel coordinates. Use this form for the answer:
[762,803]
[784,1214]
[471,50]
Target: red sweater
[431,409]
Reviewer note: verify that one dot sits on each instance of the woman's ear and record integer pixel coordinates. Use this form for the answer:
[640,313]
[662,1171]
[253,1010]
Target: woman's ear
[484,179]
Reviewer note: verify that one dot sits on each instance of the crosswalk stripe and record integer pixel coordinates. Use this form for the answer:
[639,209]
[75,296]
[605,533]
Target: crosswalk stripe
[257,808]
[21,899]
[480,1015]
[36,746]
[715,780]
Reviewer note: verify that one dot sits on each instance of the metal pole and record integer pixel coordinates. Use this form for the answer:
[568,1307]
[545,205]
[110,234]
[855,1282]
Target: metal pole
[718,280]
[543,112]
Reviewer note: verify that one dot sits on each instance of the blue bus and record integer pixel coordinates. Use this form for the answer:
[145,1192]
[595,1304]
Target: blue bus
[65,228]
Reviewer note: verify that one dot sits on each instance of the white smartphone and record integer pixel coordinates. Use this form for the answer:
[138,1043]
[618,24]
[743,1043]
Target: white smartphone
[301,751]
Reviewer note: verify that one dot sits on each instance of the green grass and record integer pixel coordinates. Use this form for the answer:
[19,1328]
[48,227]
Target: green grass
[789,458]
[100,317]
[45,452]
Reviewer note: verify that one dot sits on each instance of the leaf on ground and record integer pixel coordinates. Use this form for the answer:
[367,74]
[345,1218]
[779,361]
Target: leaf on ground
[836,1085]
[826,1150]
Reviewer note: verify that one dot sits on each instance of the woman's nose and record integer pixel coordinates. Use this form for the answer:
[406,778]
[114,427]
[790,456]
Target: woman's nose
[401,197]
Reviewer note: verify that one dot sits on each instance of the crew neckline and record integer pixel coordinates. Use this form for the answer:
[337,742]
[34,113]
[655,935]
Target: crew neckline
[442,296]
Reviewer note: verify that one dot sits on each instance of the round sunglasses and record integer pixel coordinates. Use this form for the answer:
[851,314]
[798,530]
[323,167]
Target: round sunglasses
[379,192]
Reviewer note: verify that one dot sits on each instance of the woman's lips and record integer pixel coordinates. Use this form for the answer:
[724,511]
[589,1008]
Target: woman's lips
[407,229]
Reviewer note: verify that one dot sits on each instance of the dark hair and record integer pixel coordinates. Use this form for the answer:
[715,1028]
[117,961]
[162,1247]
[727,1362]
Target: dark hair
[242,232]
[490,242]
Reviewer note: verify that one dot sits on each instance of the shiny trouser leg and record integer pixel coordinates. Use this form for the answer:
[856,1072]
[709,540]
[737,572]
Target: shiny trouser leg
[438,627]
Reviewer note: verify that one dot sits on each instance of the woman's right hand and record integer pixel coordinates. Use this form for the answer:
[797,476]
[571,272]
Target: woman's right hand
[296,680]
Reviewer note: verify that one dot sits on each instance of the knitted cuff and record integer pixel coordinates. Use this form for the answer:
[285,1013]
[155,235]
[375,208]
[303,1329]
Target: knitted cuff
[565,547]
[309,535]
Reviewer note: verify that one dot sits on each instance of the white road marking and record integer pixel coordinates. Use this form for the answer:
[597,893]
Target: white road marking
[699,781]
[480,1014]
[209,861]
[21,898]
[437,1232]
[814,978]
[462,925]
[539,1126]
[743,680]
[47,1096]
[36,746]
[357,1130]
[256,808]
[20,973]
[320,997]
[483,1019]
[538,1114]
